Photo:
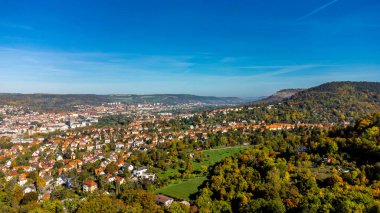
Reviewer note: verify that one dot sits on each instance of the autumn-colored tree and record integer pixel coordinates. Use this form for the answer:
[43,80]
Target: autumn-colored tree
[16,196]
[140,199]
[178,208]
[111,168]
[102,203]
[29,197]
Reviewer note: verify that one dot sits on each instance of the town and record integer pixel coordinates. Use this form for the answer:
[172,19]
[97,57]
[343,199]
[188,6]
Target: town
[53,145]
[189,106]
[16,121]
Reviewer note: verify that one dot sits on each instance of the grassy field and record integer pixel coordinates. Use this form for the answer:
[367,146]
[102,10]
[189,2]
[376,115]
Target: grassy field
[182,189]
[214,156]
[168,173]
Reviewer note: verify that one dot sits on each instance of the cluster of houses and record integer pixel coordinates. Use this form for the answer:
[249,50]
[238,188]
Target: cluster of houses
[18,121]
[138,173]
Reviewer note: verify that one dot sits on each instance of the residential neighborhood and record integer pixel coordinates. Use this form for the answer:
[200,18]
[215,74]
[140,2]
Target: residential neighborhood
[68,141]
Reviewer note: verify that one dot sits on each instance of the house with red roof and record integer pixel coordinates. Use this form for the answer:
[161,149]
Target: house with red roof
[89,186]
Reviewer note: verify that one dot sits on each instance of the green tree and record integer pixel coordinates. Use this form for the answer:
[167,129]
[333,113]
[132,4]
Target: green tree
[29,197]
[101,203]
[178,208]
[16,196]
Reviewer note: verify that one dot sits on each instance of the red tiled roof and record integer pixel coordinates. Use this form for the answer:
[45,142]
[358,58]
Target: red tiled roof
[89,183]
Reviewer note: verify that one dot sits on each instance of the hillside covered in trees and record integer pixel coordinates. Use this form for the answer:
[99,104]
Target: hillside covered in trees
[51,102]
[338,100]
[335,102]
[317,171]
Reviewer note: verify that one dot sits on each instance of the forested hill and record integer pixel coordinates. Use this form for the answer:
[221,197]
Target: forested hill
[354,91]
[302,171]
[66,102]
[334,102]
[52,102]
[338,100]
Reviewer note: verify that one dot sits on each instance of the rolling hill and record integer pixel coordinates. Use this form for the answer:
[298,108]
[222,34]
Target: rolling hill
[58,102]
[334,102]
[339,100]
[175,99]
[280,95]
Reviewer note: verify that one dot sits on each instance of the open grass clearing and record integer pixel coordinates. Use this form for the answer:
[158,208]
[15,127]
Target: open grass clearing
[182,189]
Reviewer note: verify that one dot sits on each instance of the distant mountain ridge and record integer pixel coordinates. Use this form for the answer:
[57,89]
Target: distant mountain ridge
[67,101]
[280,95]
[176,99]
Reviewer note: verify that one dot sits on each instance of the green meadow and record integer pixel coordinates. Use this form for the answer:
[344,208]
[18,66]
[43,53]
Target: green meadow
[183,188]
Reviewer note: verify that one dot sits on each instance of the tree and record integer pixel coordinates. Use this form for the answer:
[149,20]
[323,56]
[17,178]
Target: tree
[52,206]
[189,167]
[221,206]
[204,169]
[178,208]
[71,205]
[111,168]
[261,205]
[140,199]
[16,196]
[204,200]
[29,197]
[40,182]
[101,203]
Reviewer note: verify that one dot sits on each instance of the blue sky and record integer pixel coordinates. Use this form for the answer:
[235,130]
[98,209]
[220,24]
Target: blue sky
[221,48]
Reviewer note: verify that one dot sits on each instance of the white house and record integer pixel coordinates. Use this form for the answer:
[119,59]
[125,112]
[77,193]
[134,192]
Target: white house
[139,171]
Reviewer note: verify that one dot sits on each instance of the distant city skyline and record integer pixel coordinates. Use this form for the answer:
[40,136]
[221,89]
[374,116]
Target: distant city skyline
[211,48]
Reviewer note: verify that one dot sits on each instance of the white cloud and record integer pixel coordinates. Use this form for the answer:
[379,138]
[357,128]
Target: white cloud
[318,9]
[30,71]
